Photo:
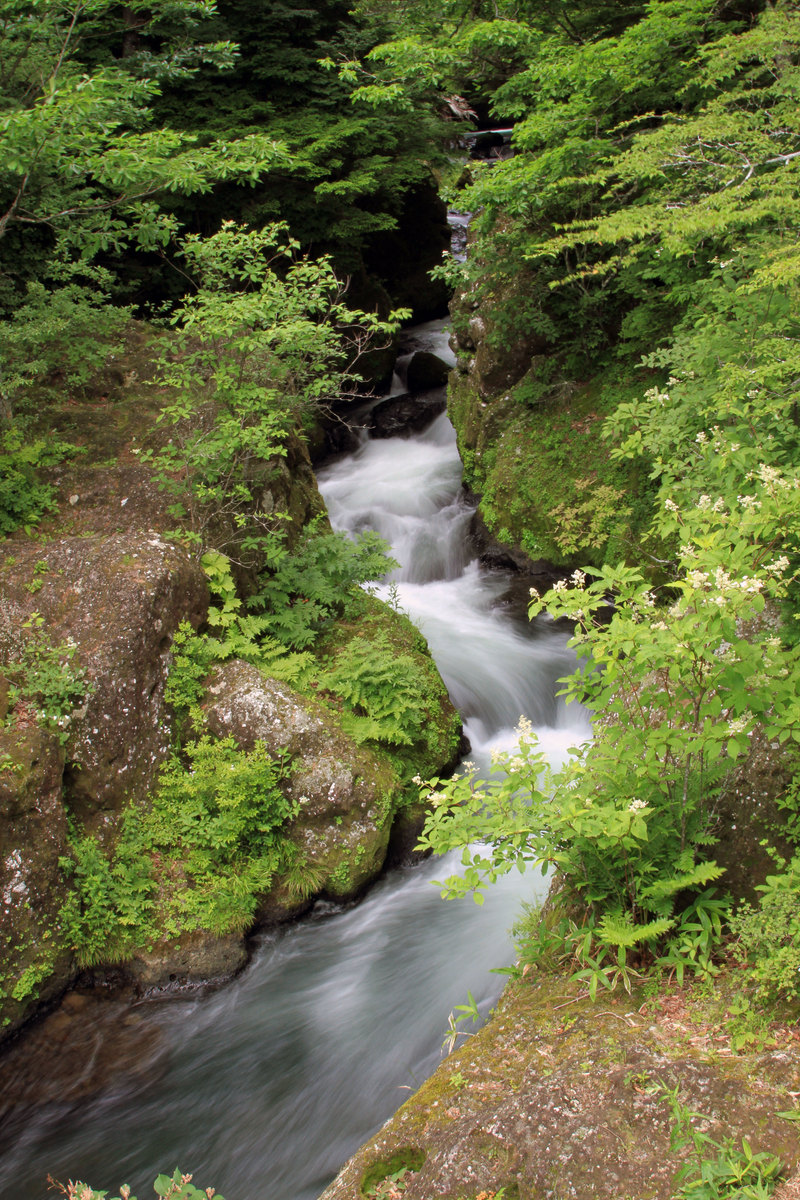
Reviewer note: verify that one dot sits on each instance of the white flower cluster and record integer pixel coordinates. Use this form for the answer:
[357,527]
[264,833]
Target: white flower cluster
[657,397]
[739,724]
[578,578]
[637,805]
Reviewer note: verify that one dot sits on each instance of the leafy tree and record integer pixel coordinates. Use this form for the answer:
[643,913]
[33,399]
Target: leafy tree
[263,342]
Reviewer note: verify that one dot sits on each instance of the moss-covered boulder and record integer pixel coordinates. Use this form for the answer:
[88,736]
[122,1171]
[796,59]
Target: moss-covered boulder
[436,736]
[346,795]
[560,1097]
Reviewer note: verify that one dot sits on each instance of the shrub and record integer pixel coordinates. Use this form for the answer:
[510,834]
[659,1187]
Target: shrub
[769,935]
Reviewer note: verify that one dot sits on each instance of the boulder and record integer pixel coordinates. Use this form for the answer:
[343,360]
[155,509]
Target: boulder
[426,370]
[120,600]
[400,416]
[558,1096]
[345,794]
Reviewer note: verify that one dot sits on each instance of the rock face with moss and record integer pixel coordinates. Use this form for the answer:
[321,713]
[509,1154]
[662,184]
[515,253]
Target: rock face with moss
[345,795]
[559,1097]
[529,438]
[113,604]
[88,616]
[119,601]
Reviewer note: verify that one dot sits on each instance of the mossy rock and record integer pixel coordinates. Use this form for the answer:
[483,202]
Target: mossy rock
[33,837]
[546,483]
[438,749]
[346,795]
[557,1096]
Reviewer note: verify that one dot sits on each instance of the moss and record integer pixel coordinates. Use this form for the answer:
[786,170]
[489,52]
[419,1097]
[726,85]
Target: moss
[407,1158]
[546,481]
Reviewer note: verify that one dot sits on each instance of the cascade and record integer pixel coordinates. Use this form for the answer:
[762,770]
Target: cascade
[266,1087]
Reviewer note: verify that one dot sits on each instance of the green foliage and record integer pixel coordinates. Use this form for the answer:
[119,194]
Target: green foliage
[198,859]
[678,690]
[726,1170]
[45,679]
[176,1186]
[263,341]
[110,906]
[24,497]
[63,336]
[310,586]
[233,633]
[219,816]
[769,936]
[381,689]
[192,658]
[57,111]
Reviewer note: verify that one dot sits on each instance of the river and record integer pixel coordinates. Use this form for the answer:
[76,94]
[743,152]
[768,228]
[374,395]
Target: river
[264,1088]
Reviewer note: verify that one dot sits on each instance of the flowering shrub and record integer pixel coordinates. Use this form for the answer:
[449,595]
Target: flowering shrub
[678,678]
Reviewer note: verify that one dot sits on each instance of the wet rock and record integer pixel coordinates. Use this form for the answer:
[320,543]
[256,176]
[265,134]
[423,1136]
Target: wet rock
[345,794]
[86,1045]
[199,958]
[401,416]
[426,370]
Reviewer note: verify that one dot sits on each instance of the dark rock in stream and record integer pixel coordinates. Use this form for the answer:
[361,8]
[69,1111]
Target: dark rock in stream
[426,370]
[404,415]
[88,1044]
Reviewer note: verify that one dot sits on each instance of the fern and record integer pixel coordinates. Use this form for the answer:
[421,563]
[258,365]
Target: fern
[310,586]
[382,690]
[618,929]
[660,894]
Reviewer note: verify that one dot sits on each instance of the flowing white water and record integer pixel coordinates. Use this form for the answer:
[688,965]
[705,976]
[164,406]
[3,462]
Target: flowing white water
[266,1087]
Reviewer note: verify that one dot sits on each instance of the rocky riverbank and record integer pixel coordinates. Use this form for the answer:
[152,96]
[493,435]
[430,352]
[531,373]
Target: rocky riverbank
[559,1098]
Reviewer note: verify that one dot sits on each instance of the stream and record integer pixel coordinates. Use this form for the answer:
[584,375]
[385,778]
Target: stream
[264,1088]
